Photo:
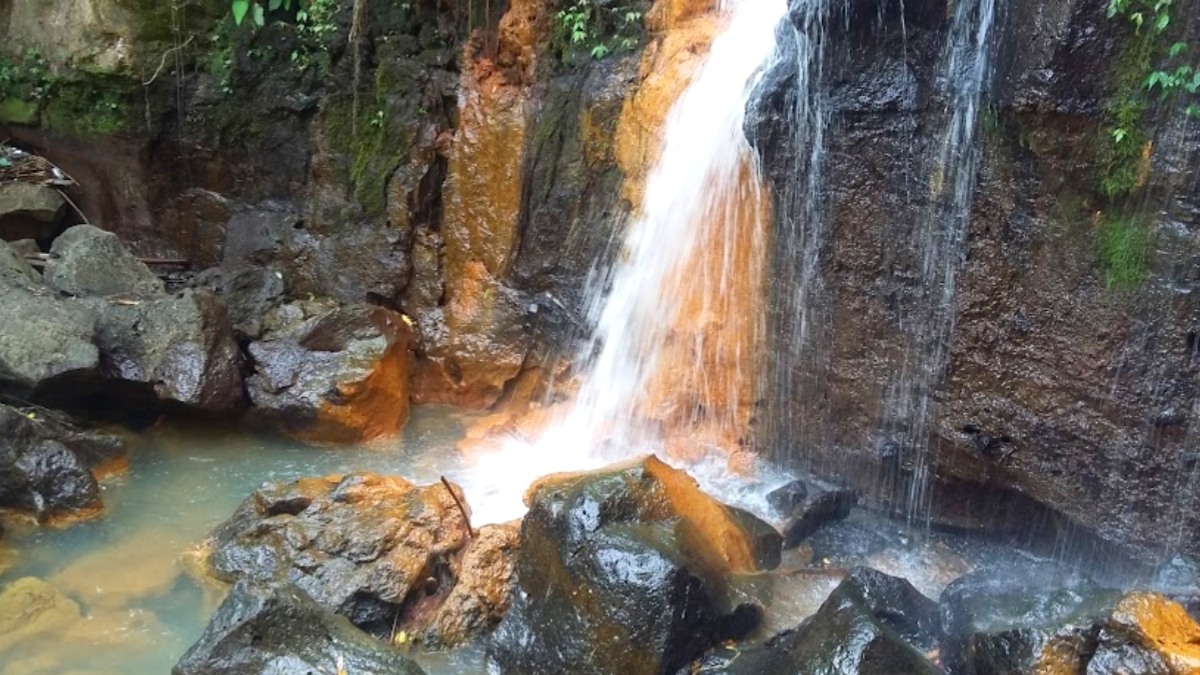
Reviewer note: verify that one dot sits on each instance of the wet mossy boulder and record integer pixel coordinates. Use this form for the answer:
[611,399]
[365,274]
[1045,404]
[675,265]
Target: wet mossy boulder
[263,629]
[808,504]
[386,554]
[871,624]
[624,570]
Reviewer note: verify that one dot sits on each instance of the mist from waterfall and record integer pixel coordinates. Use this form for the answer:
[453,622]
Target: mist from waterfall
[697,196]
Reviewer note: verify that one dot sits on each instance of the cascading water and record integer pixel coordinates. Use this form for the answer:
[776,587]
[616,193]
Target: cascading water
[642,372]
[796,367]
[941,238]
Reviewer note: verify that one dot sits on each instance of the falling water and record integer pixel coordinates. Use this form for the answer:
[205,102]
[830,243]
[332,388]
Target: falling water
[941,239]
[642,372]
[795,371]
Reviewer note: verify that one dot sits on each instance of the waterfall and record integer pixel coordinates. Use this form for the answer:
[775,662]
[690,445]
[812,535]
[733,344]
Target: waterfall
[941,240]
[642,372]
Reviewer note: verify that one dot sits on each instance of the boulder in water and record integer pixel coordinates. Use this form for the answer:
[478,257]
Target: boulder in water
[280,629]
[871,624]
[1149,635]
[378,550]
[45,463]
[327,374]
[87,261]
[808,505]
[624,570]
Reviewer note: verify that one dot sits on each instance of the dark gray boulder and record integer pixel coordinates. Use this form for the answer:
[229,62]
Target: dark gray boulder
[13,268]
[249,294]
[282,631]
[624,570]
[88,261]
[45,342]
[808,504]
[45,463]
[171,350]
[871,624]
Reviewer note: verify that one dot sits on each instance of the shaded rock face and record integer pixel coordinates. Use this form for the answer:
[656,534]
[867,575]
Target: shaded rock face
[281,629]
[333,375]
[1056,389]
[871,624]
[383,553]
[46,464]
[623,570]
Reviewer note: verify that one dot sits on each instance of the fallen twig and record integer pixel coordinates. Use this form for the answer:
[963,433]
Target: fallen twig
[461,509]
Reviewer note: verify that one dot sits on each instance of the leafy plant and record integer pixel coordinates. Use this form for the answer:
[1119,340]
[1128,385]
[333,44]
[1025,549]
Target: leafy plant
[586,27]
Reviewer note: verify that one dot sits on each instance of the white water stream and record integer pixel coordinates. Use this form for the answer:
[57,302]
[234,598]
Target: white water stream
[690,191]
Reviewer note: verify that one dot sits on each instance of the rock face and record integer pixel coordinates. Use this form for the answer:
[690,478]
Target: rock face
[334,375]
[45,464]
[632,558]
[377,550]
[29,211]
[1059,383]
[871,624]
[282,630]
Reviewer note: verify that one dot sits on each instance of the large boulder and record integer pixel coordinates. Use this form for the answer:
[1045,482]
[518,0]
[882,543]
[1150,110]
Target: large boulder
[625,570]
[29,211]
[46,463]
[378,550]
[259,630]
[171,349]
[249,295]
[1147,634]
[87,261]
[13,267]
[327,374]
[45,342]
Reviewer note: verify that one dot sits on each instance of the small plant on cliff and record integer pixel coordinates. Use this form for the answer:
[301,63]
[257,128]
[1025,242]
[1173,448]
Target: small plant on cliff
[597,30]
[1146,67]
[1124,244]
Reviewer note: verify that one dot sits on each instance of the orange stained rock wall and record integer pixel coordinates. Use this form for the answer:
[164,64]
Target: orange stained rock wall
[483,195]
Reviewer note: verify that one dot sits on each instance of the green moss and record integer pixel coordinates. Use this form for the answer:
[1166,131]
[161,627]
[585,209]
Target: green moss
[89,106]
[1124,247]
[18,111]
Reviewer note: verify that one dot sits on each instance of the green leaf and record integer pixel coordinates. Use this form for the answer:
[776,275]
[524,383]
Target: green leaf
[259,20]
[1178,48]
[1161,22]
[1119,135]
[1193,110]
[5,162]
[239,8]
[1137,19]
[274,5]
